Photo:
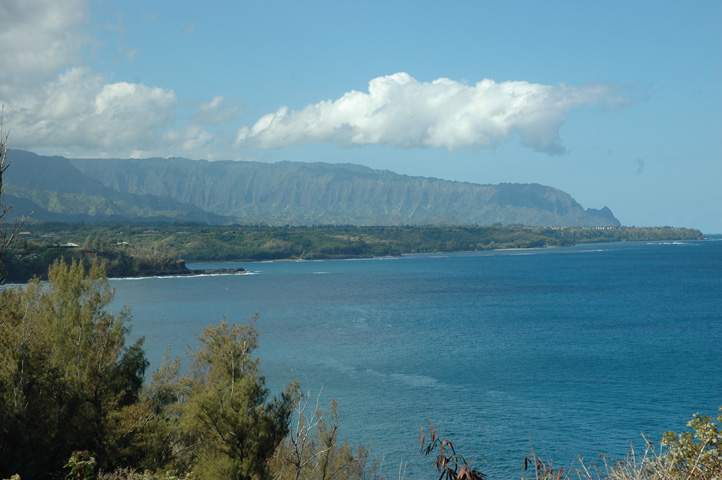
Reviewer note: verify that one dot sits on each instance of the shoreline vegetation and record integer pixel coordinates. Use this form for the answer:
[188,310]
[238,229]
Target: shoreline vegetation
[146,250]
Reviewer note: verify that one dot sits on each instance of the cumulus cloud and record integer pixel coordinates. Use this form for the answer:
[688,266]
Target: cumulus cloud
[192,138]
[53,106]
[40,37]
[218,110]
[400,111]
[78,108]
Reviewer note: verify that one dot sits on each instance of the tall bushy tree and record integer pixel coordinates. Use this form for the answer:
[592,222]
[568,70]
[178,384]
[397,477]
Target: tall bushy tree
[65,372]
[154,421]
[230,422]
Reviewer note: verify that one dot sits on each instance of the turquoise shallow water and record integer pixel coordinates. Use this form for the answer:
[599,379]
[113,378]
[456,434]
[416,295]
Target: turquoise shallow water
[576,350]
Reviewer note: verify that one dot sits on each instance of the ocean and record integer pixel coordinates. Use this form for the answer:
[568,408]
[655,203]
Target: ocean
[574,351]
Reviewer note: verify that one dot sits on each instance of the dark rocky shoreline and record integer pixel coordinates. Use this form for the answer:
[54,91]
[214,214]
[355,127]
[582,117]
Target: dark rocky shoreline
[217,271]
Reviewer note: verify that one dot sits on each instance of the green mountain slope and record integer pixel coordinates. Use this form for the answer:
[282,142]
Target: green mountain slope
[319,193]
[284,193]
[53,189]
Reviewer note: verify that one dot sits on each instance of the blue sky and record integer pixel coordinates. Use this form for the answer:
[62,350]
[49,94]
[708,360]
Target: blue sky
[616,103]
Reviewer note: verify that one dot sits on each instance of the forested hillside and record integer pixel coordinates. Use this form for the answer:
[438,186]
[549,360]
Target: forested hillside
[54,190]
[161,249]
[284,193]
[319,193]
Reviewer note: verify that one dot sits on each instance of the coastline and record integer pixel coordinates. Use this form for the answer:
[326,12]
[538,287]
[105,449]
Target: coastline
[188,273]
[178,268]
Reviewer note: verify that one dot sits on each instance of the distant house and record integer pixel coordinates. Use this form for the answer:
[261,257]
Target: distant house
[68,245]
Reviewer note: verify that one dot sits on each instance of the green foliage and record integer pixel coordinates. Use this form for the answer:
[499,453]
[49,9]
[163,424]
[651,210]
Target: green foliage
[691,455]
[696,453]
[132,474]
[67,381]
[32,257]
[140,250]
[64,371]
[229,423]
[157,437]
[69,384]
[81,465]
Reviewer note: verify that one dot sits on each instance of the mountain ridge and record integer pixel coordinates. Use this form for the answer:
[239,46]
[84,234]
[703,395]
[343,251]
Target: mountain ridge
[55,190]
[293,193]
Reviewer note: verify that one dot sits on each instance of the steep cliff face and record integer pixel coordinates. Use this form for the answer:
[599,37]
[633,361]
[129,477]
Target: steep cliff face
[310,193]
[55,190]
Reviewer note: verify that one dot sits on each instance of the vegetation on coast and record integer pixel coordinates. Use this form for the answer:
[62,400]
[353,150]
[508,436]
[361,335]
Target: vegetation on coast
[162,249]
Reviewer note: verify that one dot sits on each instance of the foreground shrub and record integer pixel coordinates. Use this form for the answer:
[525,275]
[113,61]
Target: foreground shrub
[691,455]
[230,424]
[313,451]
[65,372]
[694,454]
[450,464]
[72,396]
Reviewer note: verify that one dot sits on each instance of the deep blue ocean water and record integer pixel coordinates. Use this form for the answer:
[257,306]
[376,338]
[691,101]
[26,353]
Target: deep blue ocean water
[577,350]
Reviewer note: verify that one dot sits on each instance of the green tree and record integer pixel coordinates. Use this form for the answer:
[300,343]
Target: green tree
[230,423]
[65,372]
[157,436]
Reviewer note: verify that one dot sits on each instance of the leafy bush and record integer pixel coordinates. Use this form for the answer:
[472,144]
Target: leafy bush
[64,371]
[230,425]
[691,455]
[70,386]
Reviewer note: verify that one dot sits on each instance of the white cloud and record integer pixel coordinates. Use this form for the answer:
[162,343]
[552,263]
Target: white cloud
[55,104]
[79,109]
[403,112]
[191,139]
[39,38]
[218,110]
[52,104]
